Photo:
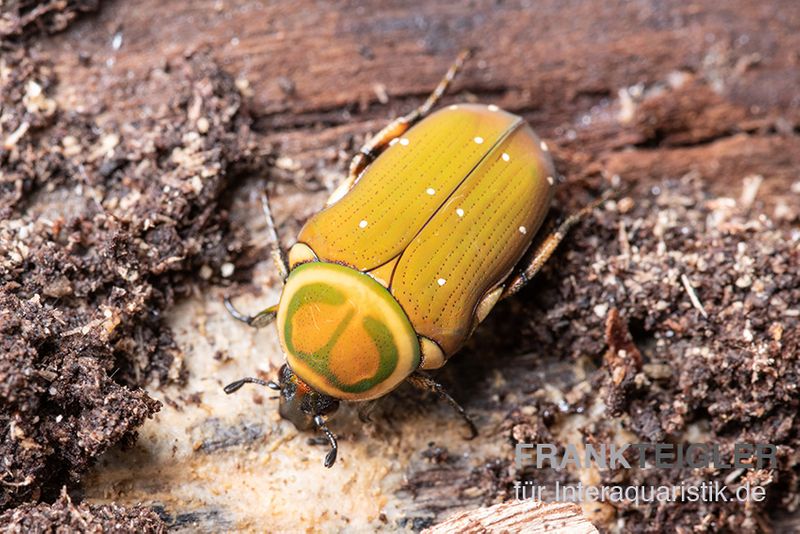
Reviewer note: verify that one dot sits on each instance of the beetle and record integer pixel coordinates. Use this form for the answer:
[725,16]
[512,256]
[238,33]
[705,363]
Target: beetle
[412,251]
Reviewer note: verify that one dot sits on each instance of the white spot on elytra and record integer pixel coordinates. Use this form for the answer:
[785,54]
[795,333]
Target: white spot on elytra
[543,146]
[404,141]
[505,157]
[363,224]
[523,230]
[431,191]
[393,141]
[550,180]
[492,107]
[478,140]
[452,106]
[459,212]
[441,281]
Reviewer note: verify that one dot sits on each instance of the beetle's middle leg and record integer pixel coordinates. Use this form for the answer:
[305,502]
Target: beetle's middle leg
[546,248]
[378,142]
[277,253]
[424,382]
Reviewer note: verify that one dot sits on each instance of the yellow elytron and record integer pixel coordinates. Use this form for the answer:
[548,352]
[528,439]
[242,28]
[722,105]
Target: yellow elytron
[412,252]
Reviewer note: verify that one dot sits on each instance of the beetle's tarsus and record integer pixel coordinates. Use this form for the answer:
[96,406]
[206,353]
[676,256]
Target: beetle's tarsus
[377,143]
[330,458]
[260,320]
[277,253]
[237,384]
[426,383]
[437,93]
[549,244]
[236,314]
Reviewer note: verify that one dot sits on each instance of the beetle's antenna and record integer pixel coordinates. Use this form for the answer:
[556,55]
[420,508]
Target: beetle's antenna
[235,386]
[330,458]
[278,256]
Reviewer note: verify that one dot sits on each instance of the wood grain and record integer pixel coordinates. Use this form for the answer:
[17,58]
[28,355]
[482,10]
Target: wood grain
[531,517]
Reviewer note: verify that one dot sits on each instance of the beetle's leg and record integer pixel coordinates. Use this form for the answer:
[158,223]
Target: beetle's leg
[375,144]
[259,320]
[546,248]
[278,256]
[330,458]
[266,316]
[424,382]
[398,127]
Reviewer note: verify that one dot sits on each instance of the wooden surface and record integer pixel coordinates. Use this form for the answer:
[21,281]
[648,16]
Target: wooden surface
[695,96]
[531,517]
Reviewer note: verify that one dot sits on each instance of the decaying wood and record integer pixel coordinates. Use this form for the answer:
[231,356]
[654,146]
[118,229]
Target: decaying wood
[529,516]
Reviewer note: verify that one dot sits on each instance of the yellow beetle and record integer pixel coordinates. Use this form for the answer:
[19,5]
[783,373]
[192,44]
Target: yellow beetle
[411,253]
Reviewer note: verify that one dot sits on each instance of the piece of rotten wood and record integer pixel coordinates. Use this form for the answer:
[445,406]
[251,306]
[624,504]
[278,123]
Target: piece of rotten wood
[518,516]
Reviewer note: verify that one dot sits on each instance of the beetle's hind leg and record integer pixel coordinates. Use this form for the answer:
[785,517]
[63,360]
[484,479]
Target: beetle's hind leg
[378,142]
[424,382]
[548,245]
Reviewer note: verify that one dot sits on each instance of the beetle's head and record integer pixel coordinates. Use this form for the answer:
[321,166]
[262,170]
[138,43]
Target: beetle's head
[345,339]
[305,407]
[299,402]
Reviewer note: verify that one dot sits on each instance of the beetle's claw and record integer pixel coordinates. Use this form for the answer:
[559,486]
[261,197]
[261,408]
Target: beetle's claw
[473,430]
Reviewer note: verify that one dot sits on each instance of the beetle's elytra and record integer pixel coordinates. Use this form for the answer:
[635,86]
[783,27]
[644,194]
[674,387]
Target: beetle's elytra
[413,251]
[434,225]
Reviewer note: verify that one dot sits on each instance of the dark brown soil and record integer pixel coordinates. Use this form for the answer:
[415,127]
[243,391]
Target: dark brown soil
[102,228]
[22,19]
[64,516]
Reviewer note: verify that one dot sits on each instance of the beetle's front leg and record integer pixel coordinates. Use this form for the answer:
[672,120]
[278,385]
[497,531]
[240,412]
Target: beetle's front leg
[424,382]
[259,320]
[546,248]
[378,142]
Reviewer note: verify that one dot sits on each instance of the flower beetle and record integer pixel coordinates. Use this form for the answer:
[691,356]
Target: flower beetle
[424,237]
